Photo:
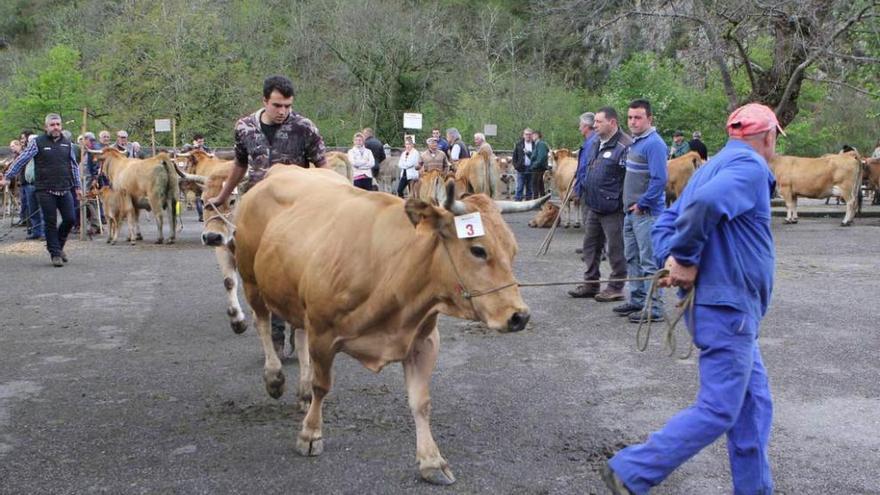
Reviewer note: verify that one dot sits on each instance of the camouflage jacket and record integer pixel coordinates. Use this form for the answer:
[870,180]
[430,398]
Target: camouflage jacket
[297,142]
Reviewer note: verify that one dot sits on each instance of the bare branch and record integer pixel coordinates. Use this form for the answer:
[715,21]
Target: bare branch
[845,85]
[789,88]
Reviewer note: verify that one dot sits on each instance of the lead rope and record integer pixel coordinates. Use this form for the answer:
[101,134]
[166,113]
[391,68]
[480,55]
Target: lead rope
[643,334]
[221,216]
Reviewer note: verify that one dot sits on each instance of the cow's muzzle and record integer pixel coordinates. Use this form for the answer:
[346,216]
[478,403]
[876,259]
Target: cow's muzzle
[518,321]
[212,239]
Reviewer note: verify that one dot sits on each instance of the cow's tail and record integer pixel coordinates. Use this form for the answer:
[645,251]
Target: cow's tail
[170,190]
[857,187]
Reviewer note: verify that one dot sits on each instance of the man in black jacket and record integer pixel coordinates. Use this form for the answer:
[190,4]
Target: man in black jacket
[696,144]
[56,176]
[602,202]
[522,159]
[373,144]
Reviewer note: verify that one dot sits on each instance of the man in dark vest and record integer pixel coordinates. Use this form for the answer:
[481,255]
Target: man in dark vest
[56,175]
[603,208]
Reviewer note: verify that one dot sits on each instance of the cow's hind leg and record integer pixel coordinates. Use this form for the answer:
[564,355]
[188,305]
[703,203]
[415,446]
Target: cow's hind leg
[790,205]
[417,369]
[226,260]
[310,441]
[304,389]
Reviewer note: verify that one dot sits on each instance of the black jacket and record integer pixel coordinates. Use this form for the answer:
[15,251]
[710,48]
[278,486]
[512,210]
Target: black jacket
[519,156]
[606,169]
[375,147]
[699,147]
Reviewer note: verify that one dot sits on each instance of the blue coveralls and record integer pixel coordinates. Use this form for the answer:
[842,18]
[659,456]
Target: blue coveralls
[722,224]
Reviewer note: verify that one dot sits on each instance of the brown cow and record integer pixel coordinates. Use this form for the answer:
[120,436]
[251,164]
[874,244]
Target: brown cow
[827,175]
[564,164]
[478,174]
[334,260]
[871,172]
[545,217]
[678,172]
[134,179]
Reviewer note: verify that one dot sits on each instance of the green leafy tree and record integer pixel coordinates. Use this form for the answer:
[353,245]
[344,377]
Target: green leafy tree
[53,82]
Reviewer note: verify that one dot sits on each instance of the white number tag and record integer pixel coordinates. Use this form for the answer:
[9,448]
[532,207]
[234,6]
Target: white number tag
[470,225]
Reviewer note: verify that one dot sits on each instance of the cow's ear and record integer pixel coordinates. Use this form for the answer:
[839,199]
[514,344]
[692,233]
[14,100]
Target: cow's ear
[419,211]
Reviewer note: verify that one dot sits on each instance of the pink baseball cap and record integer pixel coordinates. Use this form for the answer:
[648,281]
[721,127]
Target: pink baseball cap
[750,119]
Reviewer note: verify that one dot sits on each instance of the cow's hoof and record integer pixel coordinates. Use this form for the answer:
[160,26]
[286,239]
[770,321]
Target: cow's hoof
[577,225]
[310,448]
[139,237]
[438,476]
[567,226]
[170,241]
[111,242]
[846,224]
[274,383]
[790,222]
[239,326]
[160,241]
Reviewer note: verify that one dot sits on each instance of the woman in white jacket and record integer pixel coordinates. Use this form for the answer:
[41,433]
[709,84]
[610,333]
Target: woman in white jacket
[361,163]
[409,174]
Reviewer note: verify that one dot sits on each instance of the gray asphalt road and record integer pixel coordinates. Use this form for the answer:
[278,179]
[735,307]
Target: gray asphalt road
[119,374]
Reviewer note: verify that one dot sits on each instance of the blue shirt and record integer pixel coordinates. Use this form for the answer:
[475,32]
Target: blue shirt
[30,152]
[645,183]
[583,160]
[721,223]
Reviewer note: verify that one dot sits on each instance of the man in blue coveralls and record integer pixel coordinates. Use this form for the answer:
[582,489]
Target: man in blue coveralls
[717,237]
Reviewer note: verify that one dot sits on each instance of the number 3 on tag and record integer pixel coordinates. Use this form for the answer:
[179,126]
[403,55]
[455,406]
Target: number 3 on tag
[470,225]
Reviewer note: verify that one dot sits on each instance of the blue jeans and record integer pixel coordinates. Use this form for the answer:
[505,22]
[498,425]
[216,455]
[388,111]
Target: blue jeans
[56,235]
[33,211]
[639,254]
[523,185]
[734,399]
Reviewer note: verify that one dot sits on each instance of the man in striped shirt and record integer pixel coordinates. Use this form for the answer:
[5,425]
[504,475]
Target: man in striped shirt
[56,176]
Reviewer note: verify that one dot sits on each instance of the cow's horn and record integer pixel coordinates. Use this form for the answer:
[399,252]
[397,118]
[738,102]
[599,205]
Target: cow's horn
[95,152]
[184,154]
[521,206]
[201,179]
[452,204]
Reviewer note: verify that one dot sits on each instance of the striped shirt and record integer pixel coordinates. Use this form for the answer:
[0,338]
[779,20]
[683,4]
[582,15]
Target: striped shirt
[30,152]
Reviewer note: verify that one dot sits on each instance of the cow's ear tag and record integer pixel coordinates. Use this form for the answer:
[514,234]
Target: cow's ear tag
[470,225]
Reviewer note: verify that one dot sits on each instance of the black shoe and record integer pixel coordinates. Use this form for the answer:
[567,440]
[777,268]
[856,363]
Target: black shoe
[200,219]
[637,317]
[627,309]
[579,251]
[56,261]
[64,256]
[583,291]
[613,482]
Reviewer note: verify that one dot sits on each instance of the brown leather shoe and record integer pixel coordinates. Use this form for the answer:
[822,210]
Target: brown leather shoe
[609,295]
[582,291]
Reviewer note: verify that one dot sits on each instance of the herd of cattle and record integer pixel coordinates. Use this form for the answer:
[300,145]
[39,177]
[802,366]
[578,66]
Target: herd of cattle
[334,260]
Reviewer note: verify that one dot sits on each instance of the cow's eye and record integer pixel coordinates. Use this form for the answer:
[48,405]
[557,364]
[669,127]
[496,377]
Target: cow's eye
[478,252]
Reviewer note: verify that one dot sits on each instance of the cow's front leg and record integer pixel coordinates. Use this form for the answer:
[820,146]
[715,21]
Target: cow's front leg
[417,368]
[310,441]
[226,260]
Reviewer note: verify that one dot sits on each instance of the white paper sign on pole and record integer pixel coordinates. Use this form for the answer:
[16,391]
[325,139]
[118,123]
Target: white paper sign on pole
[162,125]
[412,121]
[490,130]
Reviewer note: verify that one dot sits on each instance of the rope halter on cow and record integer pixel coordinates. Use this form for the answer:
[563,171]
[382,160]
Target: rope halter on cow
[221,216]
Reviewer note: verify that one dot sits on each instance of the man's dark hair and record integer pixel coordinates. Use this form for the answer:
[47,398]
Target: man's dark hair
[198,136]
[610,113]
[846,148]
[277,83]
[642,104]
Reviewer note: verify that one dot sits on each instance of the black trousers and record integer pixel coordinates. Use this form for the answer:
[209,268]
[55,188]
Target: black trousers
[402,183]
[51,204]
[538,182]
[366,183]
